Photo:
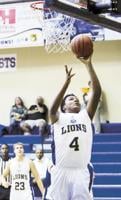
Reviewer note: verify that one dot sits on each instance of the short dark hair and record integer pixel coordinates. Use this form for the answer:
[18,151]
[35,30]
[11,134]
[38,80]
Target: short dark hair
[63,102]
[5,145]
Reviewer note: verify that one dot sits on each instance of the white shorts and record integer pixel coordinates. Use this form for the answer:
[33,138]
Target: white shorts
[36,122]
[19,195]
[70,184]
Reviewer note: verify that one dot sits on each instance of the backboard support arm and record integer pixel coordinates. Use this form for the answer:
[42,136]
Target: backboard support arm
[74,10]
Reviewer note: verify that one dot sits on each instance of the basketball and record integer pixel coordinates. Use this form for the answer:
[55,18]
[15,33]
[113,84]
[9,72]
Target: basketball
[82,46]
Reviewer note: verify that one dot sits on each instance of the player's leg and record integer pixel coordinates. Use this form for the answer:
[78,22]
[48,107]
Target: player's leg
[58,189]
[82,185]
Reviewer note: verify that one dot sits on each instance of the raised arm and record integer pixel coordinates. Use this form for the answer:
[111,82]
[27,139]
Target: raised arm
[95,86]
[59,97]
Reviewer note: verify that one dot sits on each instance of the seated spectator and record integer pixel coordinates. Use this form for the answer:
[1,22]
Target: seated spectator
[17,114]
[37,116]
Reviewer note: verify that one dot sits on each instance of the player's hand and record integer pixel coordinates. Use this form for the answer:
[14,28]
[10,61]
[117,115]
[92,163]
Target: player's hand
[5,184]
[86,61]
[69,74]
[33,181]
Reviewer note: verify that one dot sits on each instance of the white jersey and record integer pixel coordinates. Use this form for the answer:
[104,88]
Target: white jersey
[42,166]
[73,140]
[20,175]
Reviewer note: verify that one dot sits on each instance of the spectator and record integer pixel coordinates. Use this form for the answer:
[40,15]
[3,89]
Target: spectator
[37,116]
[4,158]
[17,114]
[43,165]
[18,111]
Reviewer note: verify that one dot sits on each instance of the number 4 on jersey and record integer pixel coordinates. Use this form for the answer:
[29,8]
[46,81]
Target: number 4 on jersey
[74,144]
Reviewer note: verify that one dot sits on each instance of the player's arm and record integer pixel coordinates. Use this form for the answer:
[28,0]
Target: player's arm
[96,88]
[50,165]
[37,177]
[6,173]
[59,97]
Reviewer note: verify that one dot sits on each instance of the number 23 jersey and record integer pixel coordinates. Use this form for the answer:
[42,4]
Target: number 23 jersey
[73,140]
[20,175]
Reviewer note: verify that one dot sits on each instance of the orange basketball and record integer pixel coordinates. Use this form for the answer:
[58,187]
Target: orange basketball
[82,46]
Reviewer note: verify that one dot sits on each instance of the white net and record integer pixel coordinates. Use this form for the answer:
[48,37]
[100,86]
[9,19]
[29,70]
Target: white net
[57,29]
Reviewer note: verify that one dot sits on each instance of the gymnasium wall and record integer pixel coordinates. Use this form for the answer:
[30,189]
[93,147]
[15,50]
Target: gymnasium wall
[40,73]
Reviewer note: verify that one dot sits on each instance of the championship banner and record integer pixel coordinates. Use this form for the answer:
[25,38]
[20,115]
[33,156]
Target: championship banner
[8,63]
[19,26]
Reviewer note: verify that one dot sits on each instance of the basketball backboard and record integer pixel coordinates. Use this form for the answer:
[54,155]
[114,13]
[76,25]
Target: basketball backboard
[106,14]
[30,23]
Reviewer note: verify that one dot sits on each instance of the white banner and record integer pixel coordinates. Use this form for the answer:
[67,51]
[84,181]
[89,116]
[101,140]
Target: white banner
[8,62]
[20,26]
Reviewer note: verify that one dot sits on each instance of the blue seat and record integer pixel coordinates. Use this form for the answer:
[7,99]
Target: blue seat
[108,191]
[106,157]
[107,167]
[107,179]
[107,147]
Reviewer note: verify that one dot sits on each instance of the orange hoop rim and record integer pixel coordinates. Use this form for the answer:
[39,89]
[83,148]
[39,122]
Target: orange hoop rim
[35,6]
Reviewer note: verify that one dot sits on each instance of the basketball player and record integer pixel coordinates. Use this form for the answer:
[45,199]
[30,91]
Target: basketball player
[70,177]
[19,168]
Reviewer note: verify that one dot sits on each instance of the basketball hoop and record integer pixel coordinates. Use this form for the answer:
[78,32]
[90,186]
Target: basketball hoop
[57,28]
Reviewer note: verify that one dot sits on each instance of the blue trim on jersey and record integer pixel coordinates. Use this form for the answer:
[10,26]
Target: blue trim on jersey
[32,191]
[45,194]
[91,172]
[93,129]
[53,145]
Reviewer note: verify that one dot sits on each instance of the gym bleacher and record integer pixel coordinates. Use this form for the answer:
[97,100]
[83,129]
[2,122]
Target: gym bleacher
[106,158]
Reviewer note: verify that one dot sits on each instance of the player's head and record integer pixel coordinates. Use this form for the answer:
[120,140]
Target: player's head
[70,104]
[19,101]
[18,149]
[40,101]
[39,153]
[4,150]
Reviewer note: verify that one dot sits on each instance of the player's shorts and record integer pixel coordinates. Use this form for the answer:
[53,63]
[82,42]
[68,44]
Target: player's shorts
[70,184]
[4,193]
[21,195]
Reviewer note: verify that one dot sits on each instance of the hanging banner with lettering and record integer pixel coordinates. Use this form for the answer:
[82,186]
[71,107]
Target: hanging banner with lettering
[7,62]
[20,26]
